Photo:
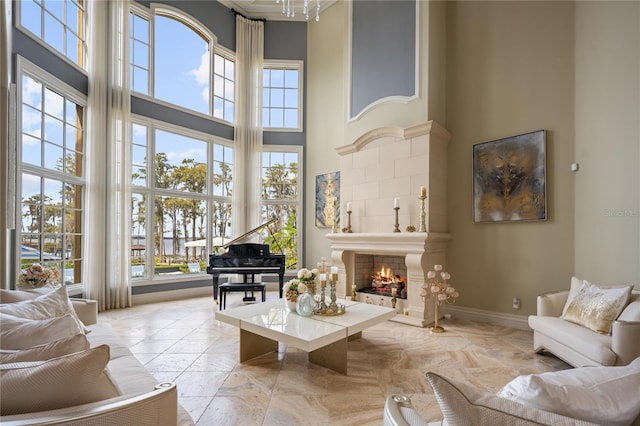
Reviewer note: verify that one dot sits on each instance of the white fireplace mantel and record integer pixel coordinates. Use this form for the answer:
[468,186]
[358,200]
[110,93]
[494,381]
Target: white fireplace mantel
[420,250]
[390,242]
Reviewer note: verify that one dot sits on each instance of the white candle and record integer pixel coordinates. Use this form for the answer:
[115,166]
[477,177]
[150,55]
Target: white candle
[394,291]
[396,202]
[323,277]
[423,191]
[349,206]
[334,269]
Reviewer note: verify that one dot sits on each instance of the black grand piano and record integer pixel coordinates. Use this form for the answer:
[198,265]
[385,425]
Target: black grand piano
[248,259]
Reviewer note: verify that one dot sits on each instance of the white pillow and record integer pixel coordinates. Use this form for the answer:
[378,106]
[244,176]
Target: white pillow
[576,285]
[52,304]
[56,383]
[12,296]
[23,333]
[66,346]
[603,395]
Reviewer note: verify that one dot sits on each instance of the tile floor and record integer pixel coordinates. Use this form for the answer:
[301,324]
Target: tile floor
[181,341]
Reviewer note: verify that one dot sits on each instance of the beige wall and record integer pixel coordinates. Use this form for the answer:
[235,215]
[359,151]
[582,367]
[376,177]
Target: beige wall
[511,68]
[607,224]
[510,71]
[326,112]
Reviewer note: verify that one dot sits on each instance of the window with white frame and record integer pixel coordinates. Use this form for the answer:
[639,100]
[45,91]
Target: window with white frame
[281,199]
[224,69]
[181,193]
[139,51]
[282,95]
[172,56]
[53,182]
[59,23]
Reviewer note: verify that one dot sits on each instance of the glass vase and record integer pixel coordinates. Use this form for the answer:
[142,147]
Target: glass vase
[304,305]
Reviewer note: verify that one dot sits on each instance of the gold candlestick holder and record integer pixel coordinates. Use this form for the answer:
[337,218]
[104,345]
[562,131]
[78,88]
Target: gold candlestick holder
[423,214]
[347,229]
[332,308]
[396,227]
[323,287]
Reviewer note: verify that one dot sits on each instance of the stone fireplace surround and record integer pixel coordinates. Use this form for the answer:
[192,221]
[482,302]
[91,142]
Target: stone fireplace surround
[420,252]
[379,166]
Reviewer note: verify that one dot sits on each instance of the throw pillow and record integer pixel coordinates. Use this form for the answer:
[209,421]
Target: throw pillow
[23,333]
[576,285]
[61,382]
[462,404]
[52,304]
[66,346]
[12,296]
[597,308]
[604,395]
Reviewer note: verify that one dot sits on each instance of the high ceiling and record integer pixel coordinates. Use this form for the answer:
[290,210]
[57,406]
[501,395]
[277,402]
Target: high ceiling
[272,11]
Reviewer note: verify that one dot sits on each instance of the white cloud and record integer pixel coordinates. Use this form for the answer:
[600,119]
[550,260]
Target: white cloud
[31,92]
[201,75]
[53,104]
[176,157]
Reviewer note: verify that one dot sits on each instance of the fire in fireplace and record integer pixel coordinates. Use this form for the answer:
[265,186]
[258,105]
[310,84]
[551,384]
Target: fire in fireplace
[384,281]
[381,274]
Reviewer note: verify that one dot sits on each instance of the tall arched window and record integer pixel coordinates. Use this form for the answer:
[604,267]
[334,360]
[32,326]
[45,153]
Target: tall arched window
[182,62]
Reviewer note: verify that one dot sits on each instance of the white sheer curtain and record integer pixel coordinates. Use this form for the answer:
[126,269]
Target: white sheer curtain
[107,232]
[119,150]
[8,155]
[248,126]
[96,143]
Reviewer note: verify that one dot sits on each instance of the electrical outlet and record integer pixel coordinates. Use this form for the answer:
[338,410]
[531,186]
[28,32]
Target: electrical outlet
[516,303]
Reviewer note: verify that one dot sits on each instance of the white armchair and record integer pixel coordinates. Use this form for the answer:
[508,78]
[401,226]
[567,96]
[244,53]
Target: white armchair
[580,346]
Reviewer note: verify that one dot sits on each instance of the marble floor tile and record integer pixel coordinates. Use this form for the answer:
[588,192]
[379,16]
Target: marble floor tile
[182,341]
[244,410]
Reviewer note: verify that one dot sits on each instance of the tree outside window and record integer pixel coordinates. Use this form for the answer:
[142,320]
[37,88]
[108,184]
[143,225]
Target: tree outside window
[175,199]
[281,199]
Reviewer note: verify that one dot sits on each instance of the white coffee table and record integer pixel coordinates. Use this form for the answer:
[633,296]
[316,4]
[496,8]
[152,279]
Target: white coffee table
[263,325]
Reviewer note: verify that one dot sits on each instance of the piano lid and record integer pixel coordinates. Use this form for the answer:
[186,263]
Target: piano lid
[253,231]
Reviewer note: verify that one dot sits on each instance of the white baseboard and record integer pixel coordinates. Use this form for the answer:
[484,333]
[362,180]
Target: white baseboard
[519,322]
[166,296]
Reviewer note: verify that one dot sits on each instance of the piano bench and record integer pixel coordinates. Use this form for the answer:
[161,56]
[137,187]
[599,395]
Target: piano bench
[246,287]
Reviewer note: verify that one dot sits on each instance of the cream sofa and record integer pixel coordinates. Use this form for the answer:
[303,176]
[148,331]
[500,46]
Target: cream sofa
[579,346]
[143,400]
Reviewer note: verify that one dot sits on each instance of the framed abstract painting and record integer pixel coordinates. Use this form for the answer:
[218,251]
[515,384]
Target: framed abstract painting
[509,179]
[327,199]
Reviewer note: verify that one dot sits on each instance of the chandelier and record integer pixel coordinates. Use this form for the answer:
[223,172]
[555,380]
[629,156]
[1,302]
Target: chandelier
[289,8]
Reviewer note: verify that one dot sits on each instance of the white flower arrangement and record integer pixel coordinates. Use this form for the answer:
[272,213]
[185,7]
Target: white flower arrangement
[305,274]
[293,288]
[36,276]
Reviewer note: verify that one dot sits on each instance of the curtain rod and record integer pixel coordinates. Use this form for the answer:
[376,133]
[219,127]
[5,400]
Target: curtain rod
[235,12]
